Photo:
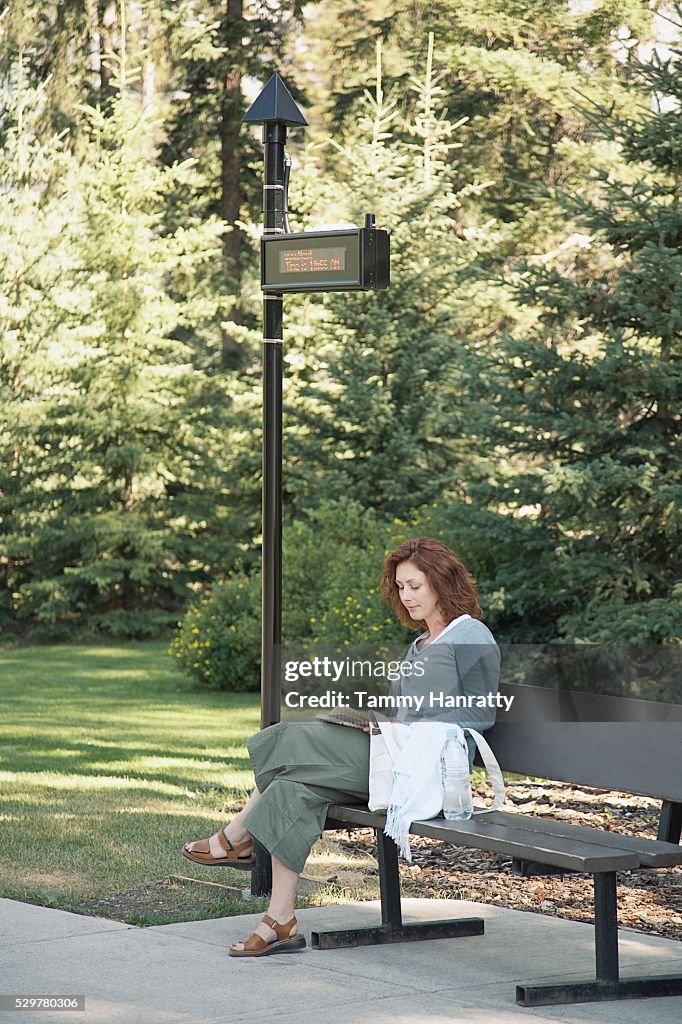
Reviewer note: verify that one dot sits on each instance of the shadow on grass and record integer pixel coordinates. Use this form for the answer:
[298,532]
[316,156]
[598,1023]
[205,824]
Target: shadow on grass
[105,760]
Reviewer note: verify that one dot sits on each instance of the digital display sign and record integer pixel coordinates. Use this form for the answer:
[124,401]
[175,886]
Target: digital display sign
[312,261]
[349,259]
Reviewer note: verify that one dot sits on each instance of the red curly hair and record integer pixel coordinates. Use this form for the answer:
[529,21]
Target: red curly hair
[446,573]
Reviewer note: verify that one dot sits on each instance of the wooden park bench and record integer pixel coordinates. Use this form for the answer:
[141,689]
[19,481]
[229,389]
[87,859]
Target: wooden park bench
[611,751]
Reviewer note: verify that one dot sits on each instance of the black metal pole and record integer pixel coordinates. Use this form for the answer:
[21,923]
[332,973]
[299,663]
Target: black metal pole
[274,138]
[274,108]
[272,511]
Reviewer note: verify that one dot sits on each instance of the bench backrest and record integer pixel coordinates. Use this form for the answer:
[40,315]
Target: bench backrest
[605,742]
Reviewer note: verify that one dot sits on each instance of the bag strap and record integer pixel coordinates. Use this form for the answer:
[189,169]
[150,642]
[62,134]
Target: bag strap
[494,772]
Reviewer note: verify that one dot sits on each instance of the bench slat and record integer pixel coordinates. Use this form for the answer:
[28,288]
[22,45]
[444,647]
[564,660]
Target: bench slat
[652,853]
[626,757]
[355,815]
[561,852]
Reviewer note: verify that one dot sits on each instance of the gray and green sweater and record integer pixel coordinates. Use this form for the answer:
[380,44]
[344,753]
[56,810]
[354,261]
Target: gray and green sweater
[463,660]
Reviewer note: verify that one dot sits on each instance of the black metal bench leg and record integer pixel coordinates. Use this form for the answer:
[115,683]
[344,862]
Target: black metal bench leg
[389,880]
[392,928]
[607,984]
[670,822]
[606,927]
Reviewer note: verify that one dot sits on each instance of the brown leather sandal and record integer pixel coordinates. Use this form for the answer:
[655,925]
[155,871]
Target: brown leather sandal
[237,855]
[288,940]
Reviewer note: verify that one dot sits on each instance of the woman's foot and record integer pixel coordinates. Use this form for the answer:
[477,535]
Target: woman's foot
[230,832]
[230,847]
[270,937]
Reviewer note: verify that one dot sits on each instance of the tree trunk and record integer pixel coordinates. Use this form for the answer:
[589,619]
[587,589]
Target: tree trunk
[231,193]
[109,41]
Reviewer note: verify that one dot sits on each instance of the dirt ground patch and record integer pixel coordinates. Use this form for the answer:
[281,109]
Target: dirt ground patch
[167,901]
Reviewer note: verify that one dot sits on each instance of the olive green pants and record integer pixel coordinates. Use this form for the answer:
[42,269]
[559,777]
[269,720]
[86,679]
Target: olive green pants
[301,768]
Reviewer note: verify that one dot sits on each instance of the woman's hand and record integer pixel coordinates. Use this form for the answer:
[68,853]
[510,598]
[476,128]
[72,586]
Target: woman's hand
[392,721]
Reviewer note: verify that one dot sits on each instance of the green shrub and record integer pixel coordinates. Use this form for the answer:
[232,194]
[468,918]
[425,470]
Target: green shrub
[332,559]
[218,641]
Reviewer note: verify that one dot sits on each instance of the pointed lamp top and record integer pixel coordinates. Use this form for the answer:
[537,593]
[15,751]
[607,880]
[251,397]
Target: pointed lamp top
[274,105]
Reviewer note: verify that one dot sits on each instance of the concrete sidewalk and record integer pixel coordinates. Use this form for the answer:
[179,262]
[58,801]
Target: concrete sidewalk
[180,973]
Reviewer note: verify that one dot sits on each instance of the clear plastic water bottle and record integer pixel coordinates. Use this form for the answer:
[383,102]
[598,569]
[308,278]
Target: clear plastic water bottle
[454,766]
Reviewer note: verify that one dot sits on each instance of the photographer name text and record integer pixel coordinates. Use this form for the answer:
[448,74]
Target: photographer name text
[397,702]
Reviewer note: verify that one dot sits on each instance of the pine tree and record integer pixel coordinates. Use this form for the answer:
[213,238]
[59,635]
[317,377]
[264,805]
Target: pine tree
[588,403]
[214,47]
[377,427]
[121,484]
[35,301]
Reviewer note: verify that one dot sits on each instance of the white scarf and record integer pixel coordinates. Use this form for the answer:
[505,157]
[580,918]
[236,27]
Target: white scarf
[417,791]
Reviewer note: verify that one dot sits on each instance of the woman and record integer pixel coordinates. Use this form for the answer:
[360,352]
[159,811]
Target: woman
[302,767]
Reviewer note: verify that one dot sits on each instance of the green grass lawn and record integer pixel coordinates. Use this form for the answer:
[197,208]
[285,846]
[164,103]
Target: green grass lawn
[109,762]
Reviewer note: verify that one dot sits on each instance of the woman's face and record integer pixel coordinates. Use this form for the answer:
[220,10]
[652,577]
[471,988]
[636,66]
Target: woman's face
[416,592]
